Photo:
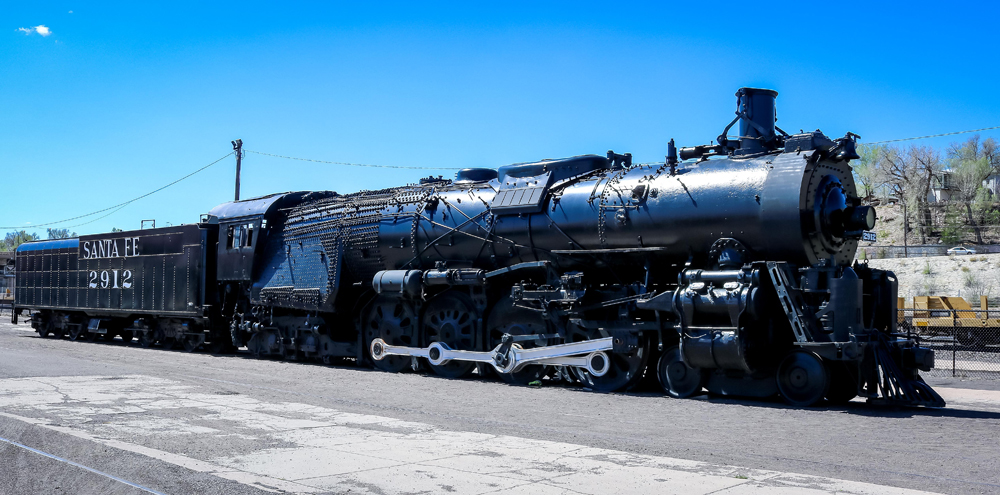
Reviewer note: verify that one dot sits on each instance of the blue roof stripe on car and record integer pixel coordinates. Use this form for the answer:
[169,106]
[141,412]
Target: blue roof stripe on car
[52,244]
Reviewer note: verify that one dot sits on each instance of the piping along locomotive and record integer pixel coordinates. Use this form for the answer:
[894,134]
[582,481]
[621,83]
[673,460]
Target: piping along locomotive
[727,270]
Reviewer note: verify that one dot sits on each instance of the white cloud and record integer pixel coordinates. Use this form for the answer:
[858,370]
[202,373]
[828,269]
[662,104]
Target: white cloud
[40,29]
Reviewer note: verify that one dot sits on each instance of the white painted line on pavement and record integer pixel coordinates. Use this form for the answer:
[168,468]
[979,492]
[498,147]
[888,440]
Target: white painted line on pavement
[261,482]
[302,448]
[81,466]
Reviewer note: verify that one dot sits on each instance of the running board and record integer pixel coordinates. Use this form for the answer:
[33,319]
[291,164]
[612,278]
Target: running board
[509,357]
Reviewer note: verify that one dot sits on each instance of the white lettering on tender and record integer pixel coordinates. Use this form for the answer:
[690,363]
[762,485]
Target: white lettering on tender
[110,248]
[109,279]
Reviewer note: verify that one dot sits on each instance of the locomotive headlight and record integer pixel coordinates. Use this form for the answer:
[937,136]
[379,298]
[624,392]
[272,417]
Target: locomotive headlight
[860,218]
[831,214]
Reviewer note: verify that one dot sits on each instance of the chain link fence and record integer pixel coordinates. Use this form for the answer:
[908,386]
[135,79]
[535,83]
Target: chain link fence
[966,342]
[876,251]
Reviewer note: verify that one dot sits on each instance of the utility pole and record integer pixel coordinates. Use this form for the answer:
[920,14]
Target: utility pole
[238,148]
[906,226]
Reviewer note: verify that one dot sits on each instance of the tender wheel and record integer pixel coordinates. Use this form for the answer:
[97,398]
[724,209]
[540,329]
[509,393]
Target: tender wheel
[626,368]
[677,378]
[843,382]
[802,378]
[146,339]
[394,322]
[45,330]
[219,342]
[127,336]
[191,342]
[451,319]
[76,331]
[505,317]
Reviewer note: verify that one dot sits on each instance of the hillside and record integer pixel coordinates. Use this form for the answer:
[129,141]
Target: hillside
[967,276]
[889,228]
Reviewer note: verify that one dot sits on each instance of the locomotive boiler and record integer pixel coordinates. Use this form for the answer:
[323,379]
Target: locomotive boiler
[728,267]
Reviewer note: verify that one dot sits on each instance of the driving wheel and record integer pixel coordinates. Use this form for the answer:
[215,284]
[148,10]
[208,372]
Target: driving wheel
[506,318]
[625,369]
[394,322]
[451,319]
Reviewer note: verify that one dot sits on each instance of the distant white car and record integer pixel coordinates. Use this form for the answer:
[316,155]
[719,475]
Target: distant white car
[961,250]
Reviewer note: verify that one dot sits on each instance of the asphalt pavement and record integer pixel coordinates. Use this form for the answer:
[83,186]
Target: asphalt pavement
[80,417]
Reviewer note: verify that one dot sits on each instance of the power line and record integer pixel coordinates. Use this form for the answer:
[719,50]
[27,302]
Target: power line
[936,135]
[654,163]
[352,164]
[112,212]
[119,205]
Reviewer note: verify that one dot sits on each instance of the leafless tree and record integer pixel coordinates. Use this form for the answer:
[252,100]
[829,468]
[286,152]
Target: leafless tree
[909,174]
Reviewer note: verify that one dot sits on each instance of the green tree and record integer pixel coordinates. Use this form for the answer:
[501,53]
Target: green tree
[869,174]
[60,233]
[972,162]
[954,228]
[14,239]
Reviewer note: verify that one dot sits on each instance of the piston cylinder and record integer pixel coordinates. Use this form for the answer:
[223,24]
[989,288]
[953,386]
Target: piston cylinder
[720,349]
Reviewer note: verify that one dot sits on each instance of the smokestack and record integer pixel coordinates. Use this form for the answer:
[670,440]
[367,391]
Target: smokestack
[757,119]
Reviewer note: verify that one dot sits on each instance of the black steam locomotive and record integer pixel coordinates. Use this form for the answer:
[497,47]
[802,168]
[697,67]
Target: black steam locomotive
[728,268]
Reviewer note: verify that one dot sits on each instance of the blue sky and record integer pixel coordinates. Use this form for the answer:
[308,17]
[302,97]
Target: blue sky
[118,99]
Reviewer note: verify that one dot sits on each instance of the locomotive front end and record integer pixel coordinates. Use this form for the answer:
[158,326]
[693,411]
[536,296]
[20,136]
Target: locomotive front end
[784,307]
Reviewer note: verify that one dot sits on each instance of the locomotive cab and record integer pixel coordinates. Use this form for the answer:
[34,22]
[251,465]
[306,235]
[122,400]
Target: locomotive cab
[244,227]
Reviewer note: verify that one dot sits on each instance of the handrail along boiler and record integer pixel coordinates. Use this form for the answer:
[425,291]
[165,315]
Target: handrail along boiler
[728,267]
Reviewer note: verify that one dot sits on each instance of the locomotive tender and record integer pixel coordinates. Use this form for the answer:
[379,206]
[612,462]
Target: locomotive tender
[729,269]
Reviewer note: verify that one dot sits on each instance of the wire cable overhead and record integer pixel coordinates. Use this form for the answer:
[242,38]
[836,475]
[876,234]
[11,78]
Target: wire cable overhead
[119,205]
[351,164]
[936,135]
[115,208]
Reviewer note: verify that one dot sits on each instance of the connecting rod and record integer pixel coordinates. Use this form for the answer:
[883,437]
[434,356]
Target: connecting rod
[590,355]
